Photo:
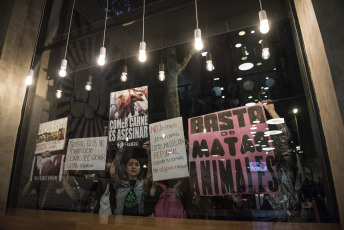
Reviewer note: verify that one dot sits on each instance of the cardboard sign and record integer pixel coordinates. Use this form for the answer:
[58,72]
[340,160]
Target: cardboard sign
[168,157]
[128,125]
[51,136]
[86,153]
[47,168]
[226,153]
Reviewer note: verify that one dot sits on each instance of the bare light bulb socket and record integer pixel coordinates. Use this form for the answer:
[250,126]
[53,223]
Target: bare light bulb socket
[124,73]
[265,50]
[209,62]
[198,39]
[63,68]
[101,59]
[161,72]
[59,92]
[142,52]
[264,23]
[28,80]
[88,86]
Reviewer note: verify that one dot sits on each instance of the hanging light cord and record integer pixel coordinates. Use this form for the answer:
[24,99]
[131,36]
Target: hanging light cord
[70,23]
[196,14]
[39,31]
[161,39]
[206,27]
[143,20]
[106,13]
[125,47]
[260,3]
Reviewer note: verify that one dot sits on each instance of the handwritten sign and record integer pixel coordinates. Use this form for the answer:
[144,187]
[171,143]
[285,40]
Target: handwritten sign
[128,124]
[228,153]
[169,159]
[47,168]
[86,153]
[51,136]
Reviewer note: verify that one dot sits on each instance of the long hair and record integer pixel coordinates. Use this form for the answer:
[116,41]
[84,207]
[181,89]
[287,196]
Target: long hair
[133,153]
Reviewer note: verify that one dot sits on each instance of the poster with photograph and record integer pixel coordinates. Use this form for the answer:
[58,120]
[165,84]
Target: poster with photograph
[230,151]
[128,125]
[51,135]
[86,153]
[168,153]
[48,168]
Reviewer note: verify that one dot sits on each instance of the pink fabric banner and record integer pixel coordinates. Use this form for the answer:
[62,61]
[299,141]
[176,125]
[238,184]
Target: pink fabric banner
[229,153]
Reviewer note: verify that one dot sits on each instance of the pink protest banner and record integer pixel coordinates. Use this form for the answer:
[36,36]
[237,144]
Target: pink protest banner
[229,153]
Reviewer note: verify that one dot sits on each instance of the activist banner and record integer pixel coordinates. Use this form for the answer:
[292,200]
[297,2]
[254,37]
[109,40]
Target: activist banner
[128,125]
[86,153]
[47,168]
[168,157]
[51,136]
[229,153]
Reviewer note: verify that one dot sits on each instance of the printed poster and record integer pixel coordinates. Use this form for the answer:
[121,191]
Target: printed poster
[168,151]
[229,153]
[51,135]
[128,125]
[47,168]
[86,153]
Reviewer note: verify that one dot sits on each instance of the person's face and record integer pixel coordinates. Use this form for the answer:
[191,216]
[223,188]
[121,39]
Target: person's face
[133,169]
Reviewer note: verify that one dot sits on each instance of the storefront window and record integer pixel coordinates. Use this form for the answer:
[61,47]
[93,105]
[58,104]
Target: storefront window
[229,130]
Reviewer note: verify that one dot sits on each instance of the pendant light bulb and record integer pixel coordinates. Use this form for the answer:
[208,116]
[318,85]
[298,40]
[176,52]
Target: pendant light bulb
[198,39]
[142,52]
[58,93]
[265,50]
[209,61]
[264,22]
[162,72]
[88,86]
[101,59]
[63,68]
[210,66]
[124,74]
[162,76]
[28,80]
[124,77]
[29,77]
[265,53]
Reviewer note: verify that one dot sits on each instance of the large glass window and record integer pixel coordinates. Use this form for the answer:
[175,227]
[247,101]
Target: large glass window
[83,147]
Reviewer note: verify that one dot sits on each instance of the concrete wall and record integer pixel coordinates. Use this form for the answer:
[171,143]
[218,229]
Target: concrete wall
[325,63]
[331,26]
[5,16]
[14,64]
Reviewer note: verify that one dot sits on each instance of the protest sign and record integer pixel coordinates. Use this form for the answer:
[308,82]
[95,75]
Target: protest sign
[168,157]
[47,168]
[227,153]
[128,125]
[51,136]
[86,153]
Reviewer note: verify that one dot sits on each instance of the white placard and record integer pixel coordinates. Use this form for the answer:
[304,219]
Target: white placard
[47,168]
[168,150]
[86,153]
[51,135]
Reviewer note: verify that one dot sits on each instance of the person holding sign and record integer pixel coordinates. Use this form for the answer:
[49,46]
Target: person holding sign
[51,194]
[126,193]
[288,169]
